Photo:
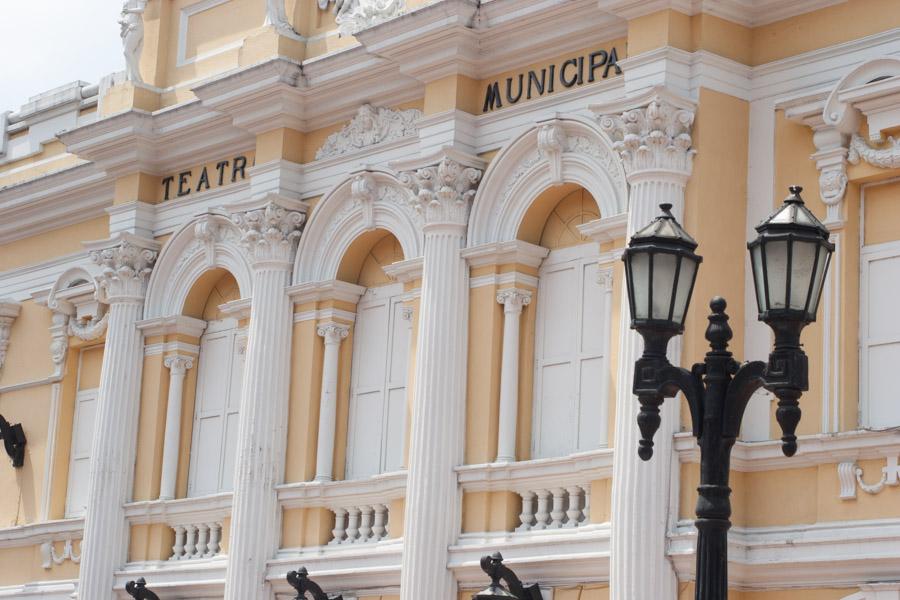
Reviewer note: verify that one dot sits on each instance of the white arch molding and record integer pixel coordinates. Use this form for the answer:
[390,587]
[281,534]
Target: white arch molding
[561,150]
[207,242]
[364,201]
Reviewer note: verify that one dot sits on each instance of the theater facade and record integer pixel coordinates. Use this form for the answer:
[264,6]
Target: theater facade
[337,284]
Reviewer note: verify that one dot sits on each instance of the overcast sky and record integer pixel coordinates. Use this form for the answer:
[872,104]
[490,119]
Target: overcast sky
[48,43]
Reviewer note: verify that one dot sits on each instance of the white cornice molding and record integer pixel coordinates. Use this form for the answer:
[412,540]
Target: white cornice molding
[819,555]
[750,13]
[379,489]
[406,270]
[505,253]
[317,291]
[177,324]
[606,229]
[575,469]
[38,533]
[813,450]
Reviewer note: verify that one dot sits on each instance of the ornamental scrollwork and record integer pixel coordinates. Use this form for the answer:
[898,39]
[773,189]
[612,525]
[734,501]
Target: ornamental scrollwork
[125,268]
[355,15]
[443,192]
[270,233]
[371,125]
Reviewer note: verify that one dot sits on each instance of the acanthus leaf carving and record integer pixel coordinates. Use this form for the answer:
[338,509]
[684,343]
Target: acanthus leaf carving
[270,233]
[363,192]
[9,311]
[887,157]
[653,137]
[355,15]
[443,192]
[125,268]
[371,125]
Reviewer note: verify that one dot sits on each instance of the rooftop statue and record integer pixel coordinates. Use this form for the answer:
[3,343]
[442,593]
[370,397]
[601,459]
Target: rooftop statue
[132,32]
[355,15]
[277,16]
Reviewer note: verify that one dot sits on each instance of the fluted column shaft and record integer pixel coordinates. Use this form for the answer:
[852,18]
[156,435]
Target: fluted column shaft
[270,235]
[513,301]
[333,334]
[178,366]
[655,145]
[433,502]
[126,267]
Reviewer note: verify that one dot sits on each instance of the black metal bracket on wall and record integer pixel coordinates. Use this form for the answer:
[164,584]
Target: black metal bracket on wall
[300,581]
[495,569]
[13,441]
[139,590]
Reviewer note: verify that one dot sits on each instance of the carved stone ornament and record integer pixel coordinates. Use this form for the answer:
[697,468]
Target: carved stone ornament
[125,267]
[514,299]
[551,143]
[49,557]
[833,184]
[277,17]
[887,157]
[270,233]
[132,32]
[443,192]
[333,332]
[355,15]
[364,192]
[653,137]
[371,125]
[850,475]
[9,311]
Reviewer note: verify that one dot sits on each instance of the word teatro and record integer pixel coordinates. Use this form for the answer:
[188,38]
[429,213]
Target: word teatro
[209,177]
[570,73]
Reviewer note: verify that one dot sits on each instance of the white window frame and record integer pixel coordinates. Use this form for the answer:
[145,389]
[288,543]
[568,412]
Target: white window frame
[868,255]
[228,327]
[92,394]
[393,294]
[584,254]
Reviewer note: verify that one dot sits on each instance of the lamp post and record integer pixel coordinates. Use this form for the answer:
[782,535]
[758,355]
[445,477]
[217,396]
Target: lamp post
[790,258]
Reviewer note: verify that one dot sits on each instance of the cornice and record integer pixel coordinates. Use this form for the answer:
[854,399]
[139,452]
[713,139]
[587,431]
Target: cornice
[504,253]
[750,13]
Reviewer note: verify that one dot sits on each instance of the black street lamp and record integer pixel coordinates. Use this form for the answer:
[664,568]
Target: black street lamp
[493,566]
[790,258]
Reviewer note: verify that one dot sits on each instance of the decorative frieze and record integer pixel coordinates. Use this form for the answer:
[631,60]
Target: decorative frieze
[850,476]
[444,191]
[371,125]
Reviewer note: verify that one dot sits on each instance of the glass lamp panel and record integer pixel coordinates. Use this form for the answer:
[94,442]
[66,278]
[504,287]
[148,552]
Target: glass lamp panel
[664,265]
[682,293]
[818,282]
[803,264]
[777,273]
[758,282]
[640,284]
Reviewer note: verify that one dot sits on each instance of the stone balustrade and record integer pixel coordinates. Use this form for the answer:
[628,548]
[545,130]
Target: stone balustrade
[363,524]
[555,508]
[202,540]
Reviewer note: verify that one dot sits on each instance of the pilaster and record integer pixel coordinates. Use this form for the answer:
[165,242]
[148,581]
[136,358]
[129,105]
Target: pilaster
[653,138]
[444,191]
[270,229]
[125,262]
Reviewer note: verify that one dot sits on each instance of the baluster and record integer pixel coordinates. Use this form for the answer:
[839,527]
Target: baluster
[340,523]
[215,532]
[526,517]
[378,530]
[559,513]
[353,525]
[202,537]
[365,528]
[586,512]
[574,511]
[178,548]
[543,512]
[191,544]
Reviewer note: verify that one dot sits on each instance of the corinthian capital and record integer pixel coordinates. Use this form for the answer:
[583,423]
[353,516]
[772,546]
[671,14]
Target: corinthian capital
[125,262]
[270,229]
[443,191]
[653,136]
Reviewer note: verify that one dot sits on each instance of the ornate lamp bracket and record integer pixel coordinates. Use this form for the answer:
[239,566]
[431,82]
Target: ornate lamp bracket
[13,441]
[493,566]
[139,590]
[306,587]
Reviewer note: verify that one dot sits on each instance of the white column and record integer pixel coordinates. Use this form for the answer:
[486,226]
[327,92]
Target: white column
[270,231]
[655,144]
[126,262]
[178,366]
[333,334]
[513,300]
[433,502]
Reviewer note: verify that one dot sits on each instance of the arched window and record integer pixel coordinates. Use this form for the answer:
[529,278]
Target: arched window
[571,351]
[217,398]
[376,429]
